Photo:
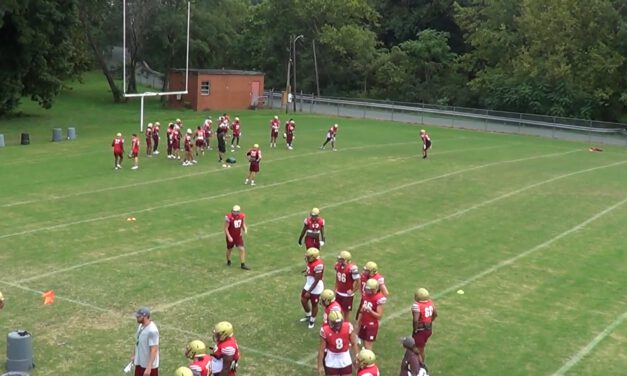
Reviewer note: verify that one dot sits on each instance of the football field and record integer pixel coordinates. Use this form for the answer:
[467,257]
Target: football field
[532,230]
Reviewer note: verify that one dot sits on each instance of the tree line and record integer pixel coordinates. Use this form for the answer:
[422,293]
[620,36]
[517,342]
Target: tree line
[553,57]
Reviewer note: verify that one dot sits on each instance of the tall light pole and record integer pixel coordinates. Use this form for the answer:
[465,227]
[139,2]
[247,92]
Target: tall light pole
[301,36]
[287,82]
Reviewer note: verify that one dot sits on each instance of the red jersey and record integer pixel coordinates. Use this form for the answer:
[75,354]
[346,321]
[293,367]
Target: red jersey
[426,310]
[235,224]
[345,276]
[425,138]
[373,302]
[314,226]
[200,134]
[228,347]
[365,278]
[332,132]
[236,128]
[254,155]
[176,135]
[118,145]
[372,370]
[148,132]
[275,125]
[337,341]
[135,144]
[201,366]
[155,130]
[334,306]
[289,128]
[315,267]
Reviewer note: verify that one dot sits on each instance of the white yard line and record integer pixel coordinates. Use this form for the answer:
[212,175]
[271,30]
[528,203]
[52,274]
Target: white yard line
[163,326]
[214,197]
[511,261]
[578,357]
[276,219]
[199,173]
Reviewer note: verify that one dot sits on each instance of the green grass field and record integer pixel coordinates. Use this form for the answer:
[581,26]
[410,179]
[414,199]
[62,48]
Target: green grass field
[531,229]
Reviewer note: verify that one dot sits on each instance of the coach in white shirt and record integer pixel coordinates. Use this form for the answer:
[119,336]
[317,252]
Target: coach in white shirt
[146,354]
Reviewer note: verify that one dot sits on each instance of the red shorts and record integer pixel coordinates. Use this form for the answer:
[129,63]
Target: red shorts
[311,242]
[422,337]
[314,298]
[235,134]
[369,332]
[274,134]
[148,141]
[254,167]
[176,144]
[134,153]
[188,147]
[118,154]
[290,137]
[328,371]
[237,241]
[139,371]
[200,143]
[346,302]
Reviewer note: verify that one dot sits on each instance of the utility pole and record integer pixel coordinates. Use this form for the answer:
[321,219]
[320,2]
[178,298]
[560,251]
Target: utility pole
[313,44]
[287,81]
[294,40]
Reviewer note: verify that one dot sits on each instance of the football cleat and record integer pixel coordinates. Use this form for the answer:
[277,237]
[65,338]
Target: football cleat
[365,358]
[371,286]
[222,331]
[371,267]
[312,254]
[421,295]
[195,348]
[335,320]
[183,371]
[327,297]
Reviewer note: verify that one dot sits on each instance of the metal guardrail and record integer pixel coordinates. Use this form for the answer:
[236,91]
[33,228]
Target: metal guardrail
[562,128]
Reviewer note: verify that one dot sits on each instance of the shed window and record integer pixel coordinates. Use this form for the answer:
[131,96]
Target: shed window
[205,88]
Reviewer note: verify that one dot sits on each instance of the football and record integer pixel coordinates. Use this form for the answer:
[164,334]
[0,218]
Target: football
[284,135]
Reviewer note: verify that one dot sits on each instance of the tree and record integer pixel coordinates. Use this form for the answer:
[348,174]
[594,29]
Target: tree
[41,46]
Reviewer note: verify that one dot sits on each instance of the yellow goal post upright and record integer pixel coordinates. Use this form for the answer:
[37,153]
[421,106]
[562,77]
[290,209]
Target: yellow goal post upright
[151,93]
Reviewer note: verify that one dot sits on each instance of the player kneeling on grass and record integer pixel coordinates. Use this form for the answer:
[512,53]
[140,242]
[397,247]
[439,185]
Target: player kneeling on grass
[196,351]
[370,313]
[254,157]
[226,352]
[366,363]
[337,339]
[412,364]
[314,286]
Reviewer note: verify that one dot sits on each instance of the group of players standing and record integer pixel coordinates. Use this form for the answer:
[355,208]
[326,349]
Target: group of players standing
[338,336]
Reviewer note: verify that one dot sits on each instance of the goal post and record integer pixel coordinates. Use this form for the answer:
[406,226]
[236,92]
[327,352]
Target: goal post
[150,93]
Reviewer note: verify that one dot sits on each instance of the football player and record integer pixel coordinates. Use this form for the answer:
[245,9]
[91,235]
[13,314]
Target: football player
[290,126]
[331,134]
[347,280]
[134,151]
[201,141]
[337,339]
[327,299]
[148,135]
[423,314]
[236,129]
[275,124]
[314,286]
[226,352]
[366,363]
[234,222]
[371,270]
[313,230]
[188,159]
[254,157]
[426,143]
[117,145]
[370,313]
[196,351]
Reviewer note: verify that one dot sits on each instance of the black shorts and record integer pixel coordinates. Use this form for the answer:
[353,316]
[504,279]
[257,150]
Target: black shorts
[427,145]
[221,145]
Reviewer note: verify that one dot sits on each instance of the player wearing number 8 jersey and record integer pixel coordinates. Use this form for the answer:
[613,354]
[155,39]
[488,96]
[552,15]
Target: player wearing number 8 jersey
[233,225]
[346,281]
[337,338]
[424,313]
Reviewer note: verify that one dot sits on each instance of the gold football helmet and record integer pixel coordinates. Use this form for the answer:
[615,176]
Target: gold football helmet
[422,294]
[223,330]
[372,286]
[183,371]
[345,255]
[371,267]
[335,319]
[327,297]
[195,348]
[365,358]
[315,212]
[312,254]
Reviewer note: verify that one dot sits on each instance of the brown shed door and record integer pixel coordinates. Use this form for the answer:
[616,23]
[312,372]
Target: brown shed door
[255,87]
